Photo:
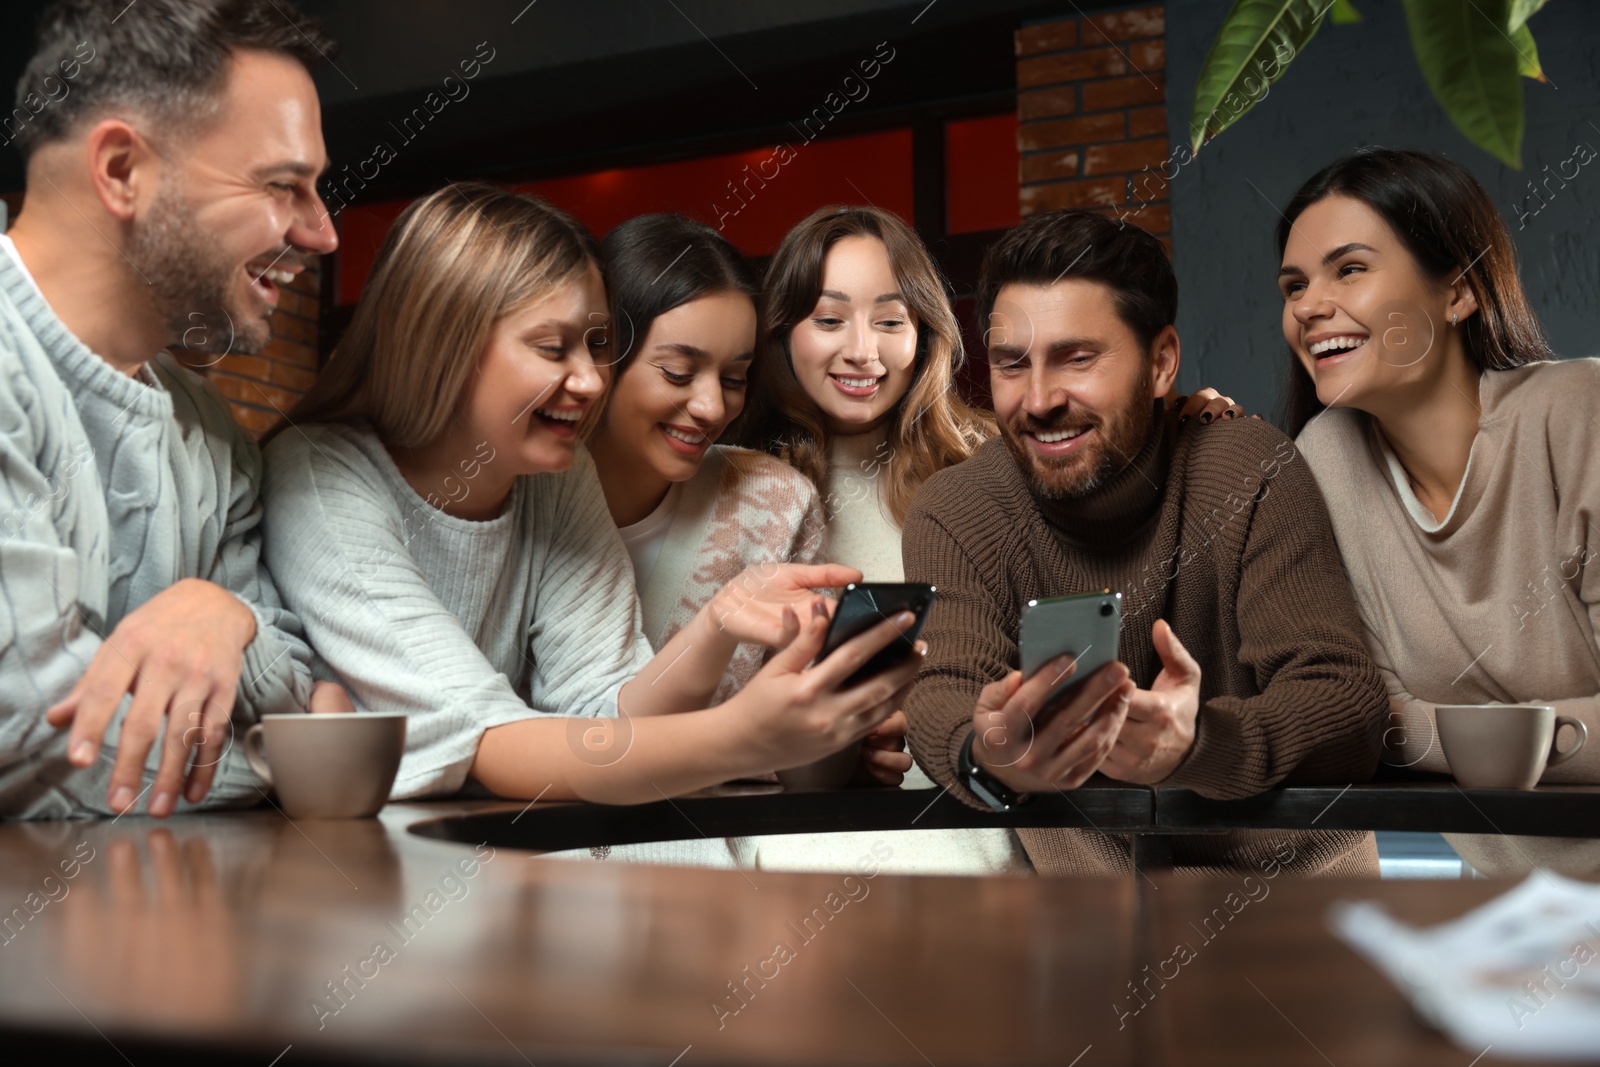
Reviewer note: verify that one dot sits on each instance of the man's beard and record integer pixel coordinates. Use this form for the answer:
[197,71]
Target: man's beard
[1119,437]
[192,283]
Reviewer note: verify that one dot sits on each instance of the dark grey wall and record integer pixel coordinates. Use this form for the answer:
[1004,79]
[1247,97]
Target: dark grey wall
[582,85]
[406,44]
[1352,86]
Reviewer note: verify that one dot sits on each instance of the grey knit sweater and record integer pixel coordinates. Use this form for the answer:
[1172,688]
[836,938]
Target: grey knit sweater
[112,488]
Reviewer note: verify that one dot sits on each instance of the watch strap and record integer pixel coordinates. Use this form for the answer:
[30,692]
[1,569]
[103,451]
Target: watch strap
[983,785]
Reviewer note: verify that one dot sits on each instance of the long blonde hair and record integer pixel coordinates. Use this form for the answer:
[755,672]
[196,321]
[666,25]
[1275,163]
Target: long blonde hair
[455,263]
[933,427]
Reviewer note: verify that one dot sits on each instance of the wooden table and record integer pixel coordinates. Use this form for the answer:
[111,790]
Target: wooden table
[216,938]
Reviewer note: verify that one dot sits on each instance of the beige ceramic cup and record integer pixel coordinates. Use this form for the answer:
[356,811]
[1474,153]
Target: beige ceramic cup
[328,766]
[1503,746]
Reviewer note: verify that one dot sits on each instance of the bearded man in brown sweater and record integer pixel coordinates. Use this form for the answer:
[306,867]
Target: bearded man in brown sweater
[1242,663]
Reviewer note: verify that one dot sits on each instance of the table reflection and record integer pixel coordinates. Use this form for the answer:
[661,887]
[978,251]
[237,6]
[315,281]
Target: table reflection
[243,933]
[151,931]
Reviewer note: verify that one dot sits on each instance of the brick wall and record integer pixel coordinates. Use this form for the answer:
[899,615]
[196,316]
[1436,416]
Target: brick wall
[1091,105]
[260,388]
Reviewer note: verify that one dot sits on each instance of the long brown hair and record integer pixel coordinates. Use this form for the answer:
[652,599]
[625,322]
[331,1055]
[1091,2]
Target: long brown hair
[933,427]
[1450,226]
[454,264]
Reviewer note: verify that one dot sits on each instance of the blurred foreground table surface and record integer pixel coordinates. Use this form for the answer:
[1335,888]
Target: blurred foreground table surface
[249,938]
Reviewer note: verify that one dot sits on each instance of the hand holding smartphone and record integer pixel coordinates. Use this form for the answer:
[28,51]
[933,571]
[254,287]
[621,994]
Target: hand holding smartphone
[1085,627]
[863,606]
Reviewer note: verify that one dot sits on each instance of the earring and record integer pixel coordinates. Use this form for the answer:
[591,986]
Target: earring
[1453,318]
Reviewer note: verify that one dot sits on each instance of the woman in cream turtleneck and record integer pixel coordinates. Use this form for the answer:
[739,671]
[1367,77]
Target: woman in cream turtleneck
[855,380]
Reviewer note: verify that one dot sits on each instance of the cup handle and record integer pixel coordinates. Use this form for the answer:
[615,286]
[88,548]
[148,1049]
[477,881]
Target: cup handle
[257,759]
[1578,727]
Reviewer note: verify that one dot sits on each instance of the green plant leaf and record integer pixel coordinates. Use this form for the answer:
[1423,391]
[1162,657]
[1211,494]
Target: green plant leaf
[1527,53]
[1344,13]
[1472,68]
[1521,10]
[1258,40]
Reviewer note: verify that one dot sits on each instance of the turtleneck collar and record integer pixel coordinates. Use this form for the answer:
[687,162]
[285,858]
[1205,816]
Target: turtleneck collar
[859,449]
[1120,509]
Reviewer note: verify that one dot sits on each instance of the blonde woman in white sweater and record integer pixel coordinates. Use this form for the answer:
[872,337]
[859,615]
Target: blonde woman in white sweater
[439,528]
[1456,457]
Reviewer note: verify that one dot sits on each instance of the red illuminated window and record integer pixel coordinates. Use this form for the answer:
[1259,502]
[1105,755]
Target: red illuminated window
[754,197]
[981,174]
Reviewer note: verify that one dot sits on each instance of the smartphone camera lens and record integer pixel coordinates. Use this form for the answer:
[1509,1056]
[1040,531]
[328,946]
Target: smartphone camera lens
[1105,609]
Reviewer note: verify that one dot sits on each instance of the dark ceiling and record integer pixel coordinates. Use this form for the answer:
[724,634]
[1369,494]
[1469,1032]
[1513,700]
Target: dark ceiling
[578,85]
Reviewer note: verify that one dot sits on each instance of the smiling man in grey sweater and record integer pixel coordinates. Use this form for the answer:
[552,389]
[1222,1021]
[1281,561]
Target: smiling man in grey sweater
[169,191]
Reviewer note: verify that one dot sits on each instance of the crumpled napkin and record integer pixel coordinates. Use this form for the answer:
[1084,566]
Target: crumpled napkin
[1521,974]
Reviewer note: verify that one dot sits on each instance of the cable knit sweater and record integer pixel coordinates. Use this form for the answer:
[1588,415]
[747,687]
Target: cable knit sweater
[1500,601]
[1219,530]
[462,625]
[112,489]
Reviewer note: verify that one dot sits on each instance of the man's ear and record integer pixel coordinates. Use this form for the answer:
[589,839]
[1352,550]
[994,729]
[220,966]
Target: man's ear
[123,168]
[1164,361]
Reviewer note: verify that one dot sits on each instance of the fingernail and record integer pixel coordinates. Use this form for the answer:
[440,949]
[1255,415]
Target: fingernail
[83,753]
[1255,416]
[818,609]
[1206,417]
[195,793]
[922,648]
[121,799]
[904,619]
[161,805]
[1227,414]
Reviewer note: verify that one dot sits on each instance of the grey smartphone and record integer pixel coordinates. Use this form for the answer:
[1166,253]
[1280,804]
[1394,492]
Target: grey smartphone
[1084,626]
[866,604]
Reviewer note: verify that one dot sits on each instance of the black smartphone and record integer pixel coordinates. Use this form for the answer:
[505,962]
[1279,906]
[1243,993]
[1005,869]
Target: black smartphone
[866,604]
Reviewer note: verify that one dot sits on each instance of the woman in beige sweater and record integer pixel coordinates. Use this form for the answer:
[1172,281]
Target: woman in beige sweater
[1454,456]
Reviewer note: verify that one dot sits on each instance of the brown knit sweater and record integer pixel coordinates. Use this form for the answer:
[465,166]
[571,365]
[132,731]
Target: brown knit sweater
[1221,531]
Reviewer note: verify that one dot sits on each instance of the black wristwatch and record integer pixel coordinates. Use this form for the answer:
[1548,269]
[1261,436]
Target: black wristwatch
[985,786]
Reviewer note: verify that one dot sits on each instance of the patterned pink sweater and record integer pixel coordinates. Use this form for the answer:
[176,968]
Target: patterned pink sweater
[743,508]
